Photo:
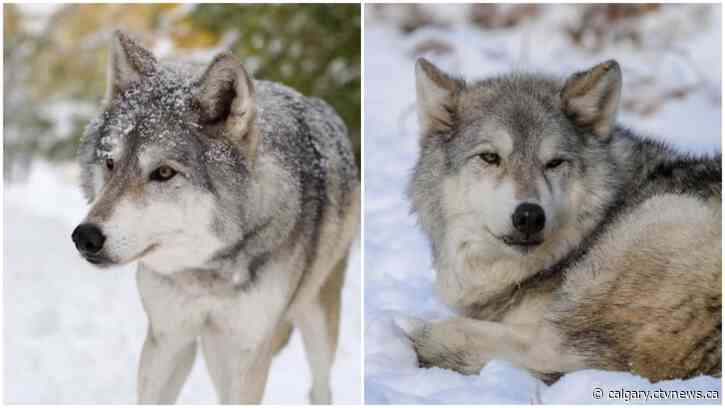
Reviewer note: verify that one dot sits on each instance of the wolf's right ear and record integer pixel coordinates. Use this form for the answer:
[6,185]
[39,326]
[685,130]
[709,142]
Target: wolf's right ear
[435,96]
[128,62]
[591,98]
[225,95]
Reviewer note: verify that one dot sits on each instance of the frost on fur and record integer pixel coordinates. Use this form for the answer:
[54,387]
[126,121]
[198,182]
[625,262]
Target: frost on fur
[225,95]
[128,61]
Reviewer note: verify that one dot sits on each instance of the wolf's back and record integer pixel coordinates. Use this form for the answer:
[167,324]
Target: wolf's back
[308,136]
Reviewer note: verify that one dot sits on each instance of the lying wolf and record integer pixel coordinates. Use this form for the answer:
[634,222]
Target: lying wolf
[562,239]
[240,200]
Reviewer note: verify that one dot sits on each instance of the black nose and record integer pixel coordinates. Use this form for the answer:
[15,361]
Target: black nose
[529,218]
[88,238]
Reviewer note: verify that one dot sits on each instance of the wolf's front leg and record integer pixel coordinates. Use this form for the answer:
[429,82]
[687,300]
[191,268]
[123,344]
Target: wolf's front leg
[444,344]
[466,345]
[239,371]
[166,361]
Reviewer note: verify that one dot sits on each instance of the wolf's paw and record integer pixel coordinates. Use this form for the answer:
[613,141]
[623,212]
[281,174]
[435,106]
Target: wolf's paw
[439,344]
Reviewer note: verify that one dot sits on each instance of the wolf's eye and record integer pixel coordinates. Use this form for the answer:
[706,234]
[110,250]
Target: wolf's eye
[490,158]
[163,173]
[554,164]
[109,164]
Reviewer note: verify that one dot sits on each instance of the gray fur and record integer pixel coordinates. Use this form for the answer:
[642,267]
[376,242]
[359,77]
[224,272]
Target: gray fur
[608,174]
[304,135]
[273,168]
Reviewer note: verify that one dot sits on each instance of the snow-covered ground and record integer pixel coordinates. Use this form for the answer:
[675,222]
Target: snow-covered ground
[398,275]
[73,333]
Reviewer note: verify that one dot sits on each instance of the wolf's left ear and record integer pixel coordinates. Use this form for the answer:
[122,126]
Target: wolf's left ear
[128,63]
[225,95]
[591,98]
[435,97]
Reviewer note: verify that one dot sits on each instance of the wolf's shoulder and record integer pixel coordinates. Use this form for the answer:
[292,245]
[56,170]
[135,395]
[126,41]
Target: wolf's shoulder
[278,103]
[301,125]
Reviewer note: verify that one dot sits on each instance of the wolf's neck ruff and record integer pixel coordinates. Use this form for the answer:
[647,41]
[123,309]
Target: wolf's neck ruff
[237,263]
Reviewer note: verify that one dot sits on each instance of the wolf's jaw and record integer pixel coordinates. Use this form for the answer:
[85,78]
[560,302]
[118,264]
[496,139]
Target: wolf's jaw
[144,252]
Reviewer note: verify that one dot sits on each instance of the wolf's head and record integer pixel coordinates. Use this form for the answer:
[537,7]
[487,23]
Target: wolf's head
[517,166]
[151,158]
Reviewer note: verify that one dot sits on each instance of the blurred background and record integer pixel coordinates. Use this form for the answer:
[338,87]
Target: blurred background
[55,60]
[73,333]
[670,56]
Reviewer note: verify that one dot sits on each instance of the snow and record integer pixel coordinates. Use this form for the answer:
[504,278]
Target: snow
[398,275]
[73,333]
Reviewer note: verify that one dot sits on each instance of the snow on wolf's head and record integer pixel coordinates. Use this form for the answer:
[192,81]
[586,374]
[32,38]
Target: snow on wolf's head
[152,159]
[513,167]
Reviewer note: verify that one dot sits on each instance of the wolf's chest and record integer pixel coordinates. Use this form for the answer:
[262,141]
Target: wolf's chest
[201,301]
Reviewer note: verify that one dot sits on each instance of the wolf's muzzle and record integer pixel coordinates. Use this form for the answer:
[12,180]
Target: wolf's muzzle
[89,239]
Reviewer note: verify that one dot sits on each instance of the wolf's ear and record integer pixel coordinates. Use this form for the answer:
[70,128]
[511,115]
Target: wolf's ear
[591,98]
[225,95]
[128,62]
[435,95]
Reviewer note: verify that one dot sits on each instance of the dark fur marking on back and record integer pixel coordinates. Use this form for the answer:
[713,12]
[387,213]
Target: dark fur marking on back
[314,189]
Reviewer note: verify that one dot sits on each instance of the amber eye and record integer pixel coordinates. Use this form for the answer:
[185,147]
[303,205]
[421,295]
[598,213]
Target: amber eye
[163,173]
[490,158]
[109,164]
[554,164]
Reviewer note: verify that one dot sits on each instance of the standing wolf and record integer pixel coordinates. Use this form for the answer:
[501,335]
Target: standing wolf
[239,198]
[563,240]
